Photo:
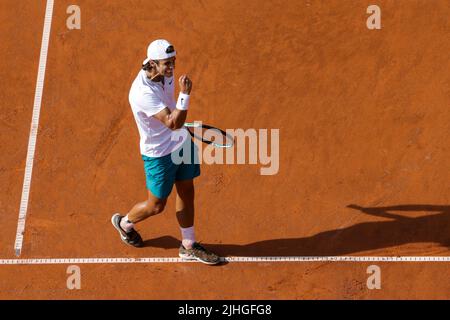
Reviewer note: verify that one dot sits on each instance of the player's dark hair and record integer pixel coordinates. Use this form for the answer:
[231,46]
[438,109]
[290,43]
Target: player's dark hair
[147,66]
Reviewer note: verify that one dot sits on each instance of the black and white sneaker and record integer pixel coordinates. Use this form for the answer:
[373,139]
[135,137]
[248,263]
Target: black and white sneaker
[199,253]
[131,238]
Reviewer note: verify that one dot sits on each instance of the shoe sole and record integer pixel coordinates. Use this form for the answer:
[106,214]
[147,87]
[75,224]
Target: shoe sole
[191,258]
[122,237]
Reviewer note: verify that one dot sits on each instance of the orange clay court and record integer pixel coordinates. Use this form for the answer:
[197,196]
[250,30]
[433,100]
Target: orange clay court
[364,153]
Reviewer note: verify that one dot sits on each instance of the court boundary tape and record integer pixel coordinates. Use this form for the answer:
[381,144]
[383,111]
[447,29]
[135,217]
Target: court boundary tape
[34,128]
[50,261]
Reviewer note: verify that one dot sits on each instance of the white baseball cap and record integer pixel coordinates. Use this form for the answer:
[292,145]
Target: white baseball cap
[160,49]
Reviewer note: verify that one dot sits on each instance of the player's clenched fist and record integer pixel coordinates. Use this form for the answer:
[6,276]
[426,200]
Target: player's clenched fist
[185,84]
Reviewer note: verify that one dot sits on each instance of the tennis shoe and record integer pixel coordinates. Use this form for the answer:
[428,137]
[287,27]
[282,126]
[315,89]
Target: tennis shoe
[131,238]
[199,253]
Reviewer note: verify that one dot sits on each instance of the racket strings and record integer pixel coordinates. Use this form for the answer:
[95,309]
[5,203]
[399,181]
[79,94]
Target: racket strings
[211,135]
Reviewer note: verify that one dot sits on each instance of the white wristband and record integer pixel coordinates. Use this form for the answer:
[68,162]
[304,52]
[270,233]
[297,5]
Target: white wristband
[183,101]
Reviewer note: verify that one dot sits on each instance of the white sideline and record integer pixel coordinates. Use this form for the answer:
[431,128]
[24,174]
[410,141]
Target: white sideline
[34,128]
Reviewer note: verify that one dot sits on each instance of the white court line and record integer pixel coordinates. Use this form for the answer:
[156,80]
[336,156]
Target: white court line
[34,128]
[227,259]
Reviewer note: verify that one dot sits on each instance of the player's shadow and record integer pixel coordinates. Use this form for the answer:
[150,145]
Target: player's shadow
[432,226]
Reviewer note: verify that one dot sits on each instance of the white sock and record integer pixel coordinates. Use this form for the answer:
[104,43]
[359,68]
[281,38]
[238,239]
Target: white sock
[126,224]
[188,236]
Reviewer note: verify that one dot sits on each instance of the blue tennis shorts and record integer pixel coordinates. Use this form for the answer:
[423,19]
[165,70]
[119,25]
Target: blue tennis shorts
[161,173]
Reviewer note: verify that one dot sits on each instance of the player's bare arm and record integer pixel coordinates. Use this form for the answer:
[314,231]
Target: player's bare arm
[174,120]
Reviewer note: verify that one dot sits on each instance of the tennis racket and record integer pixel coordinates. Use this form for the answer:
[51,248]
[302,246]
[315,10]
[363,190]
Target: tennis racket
[210,135]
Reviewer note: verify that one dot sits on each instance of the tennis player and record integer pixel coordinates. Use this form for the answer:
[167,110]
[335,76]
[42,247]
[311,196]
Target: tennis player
[160,118]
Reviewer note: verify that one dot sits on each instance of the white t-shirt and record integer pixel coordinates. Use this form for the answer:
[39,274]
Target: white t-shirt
[147,98]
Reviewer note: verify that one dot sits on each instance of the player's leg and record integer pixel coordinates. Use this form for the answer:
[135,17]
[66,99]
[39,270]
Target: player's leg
[190,249]
[184,183]
[185,211]
[125,225]
[185,203]
[160,178]
[142,210]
